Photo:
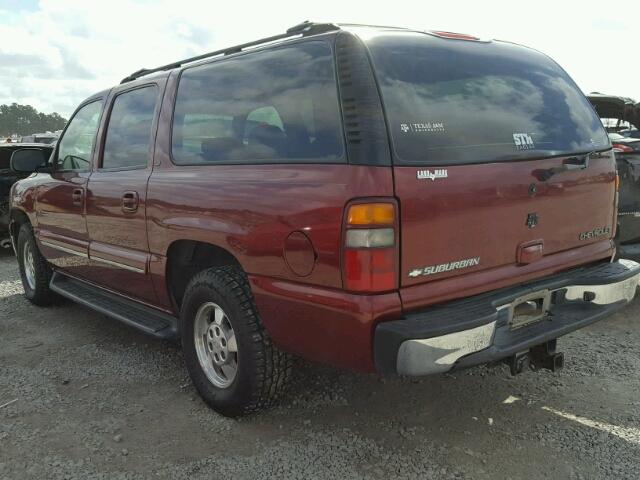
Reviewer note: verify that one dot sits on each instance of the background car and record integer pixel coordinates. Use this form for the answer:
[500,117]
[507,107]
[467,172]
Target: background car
[45,138]
[624,145]
[634,133]
[621,118]
[7,178]
[617,113]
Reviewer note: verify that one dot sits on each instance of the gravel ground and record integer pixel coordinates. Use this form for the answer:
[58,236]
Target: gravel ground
[96,399]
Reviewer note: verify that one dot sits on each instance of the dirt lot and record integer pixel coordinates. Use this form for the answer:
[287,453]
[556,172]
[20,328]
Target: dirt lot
[96,399]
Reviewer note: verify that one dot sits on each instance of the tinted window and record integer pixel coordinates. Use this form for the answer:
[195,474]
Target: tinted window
[268,106]
[129,131]
[5,159]
[76,146]
[451,101]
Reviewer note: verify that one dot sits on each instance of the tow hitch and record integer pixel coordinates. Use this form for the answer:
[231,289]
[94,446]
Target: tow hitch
[540,356]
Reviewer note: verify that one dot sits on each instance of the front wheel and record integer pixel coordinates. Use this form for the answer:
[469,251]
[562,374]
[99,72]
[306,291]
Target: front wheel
[35,272]
[233,363]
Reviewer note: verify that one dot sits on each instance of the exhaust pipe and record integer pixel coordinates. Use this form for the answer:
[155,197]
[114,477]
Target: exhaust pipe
[5,243]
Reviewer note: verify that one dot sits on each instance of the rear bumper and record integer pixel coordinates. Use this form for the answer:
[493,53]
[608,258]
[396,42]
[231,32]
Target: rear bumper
[477,330]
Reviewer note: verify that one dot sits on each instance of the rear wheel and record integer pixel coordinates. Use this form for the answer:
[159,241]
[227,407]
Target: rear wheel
[233,363]
[35,272]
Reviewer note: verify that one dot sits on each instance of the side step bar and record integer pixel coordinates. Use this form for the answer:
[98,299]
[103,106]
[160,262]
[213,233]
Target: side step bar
[149,320]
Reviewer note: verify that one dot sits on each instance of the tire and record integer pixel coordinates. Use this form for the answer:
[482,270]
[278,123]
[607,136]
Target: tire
[36,277]
[261,370]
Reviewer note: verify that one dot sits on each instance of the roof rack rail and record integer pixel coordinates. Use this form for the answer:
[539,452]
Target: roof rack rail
[304,29]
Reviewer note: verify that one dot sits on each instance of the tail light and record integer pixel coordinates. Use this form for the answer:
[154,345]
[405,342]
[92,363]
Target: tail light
[619,148]
[370,247]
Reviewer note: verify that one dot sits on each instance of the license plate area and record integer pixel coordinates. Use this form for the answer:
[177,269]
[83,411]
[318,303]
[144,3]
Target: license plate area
[528,309]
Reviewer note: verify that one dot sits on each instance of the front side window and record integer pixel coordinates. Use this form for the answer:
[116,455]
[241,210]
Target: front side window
[76,146]
[129,132]
[272,106]
[455,102]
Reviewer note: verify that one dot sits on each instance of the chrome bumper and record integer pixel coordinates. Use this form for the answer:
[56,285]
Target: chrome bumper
[439,354]
[580,304]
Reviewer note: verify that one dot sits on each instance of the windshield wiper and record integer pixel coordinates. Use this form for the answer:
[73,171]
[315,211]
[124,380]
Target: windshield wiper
[570,163]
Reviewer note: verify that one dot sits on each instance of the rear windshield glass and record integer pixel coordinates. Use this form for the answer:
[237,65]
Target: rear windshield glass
[450,101]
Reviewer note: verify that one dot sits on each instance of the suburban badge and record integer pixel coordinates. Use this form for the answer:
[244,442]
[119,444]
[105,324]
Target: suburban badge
[445,267]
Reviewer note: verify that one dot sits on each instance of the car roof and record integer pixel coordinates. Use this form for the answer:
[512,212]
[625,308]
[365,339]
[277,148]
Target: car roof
[304,29]
[28,145]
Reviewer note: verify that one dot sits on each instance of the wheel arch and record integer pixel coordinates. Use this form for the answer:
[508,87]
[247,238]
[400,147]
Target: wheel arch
[17,218]
[187,258]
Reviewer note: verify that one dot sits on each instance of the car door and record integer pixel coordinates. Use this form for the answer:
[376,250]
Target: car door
[60,205]
[116,194]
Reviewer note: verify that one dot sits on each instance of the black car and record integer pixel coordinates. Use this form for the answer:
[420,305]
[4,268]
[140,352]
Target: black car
[7,178]
[621,117]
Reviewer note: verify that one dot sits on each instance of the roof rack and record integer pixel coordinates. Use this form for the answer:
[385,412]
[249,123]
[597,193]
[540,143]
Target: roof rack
[303,29]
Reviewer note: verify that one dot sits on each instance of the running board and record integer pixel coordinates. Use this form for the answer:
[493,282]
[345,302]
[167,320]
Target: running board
[149,320]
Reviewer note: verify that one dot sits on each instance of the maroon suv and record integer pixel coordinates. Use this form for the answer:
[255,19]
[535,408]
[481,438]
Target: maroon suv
[379,199]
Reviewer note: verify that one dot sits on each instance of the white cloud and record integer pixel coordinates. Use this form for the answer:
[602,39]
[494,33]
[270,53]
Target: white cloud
[70,48]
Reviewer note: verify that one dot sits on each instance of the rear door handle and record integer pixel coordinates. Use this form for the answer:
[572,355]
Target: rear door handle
[77,196]
[571,163]
[130,201]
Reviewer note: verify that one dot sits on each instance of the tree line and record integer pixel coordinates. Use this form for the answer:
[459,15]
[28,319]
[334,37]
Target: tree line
[25,120]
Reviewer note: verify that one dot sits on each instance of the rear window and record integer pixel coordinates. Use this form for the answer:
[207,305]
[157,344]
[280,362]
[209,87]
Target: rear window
[271,106]
[456,102]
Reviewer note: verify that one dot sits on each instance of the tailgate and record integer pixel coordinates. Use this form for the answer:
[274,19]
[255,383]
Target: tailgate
[499,159]
[484,216]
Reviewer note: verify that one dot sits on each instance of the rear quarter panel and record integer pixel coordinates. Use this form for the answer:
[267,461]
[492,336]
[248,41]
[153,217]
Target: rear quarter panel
[250,210]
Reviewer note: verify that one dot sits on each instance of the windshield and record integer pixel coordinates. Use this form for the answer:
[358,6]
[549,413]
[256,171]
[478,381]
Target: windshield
[450,101]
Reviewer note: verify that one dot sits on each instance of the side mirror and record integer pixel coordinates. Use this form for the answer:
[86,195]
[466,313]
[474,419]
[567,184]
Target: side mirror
[28,160]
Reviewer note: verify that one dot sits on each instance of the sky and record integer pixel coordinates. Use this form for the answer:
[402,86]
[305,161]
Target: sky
[55,53]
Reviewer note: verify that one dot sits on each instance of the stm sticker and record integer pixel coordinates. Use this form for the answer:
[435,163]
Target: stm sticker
[523,141]
[426,127]
[429,175]
[445,267]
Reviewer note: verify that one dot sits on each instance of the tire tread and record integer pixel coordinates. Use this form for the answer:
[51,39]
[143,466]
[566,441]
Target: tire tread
[274,365]
[42,295]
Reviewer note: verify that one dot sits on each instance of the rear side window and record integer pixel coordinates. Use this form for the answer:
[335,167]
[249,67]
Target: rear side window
[129,131]
[455,102]
[272,106]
